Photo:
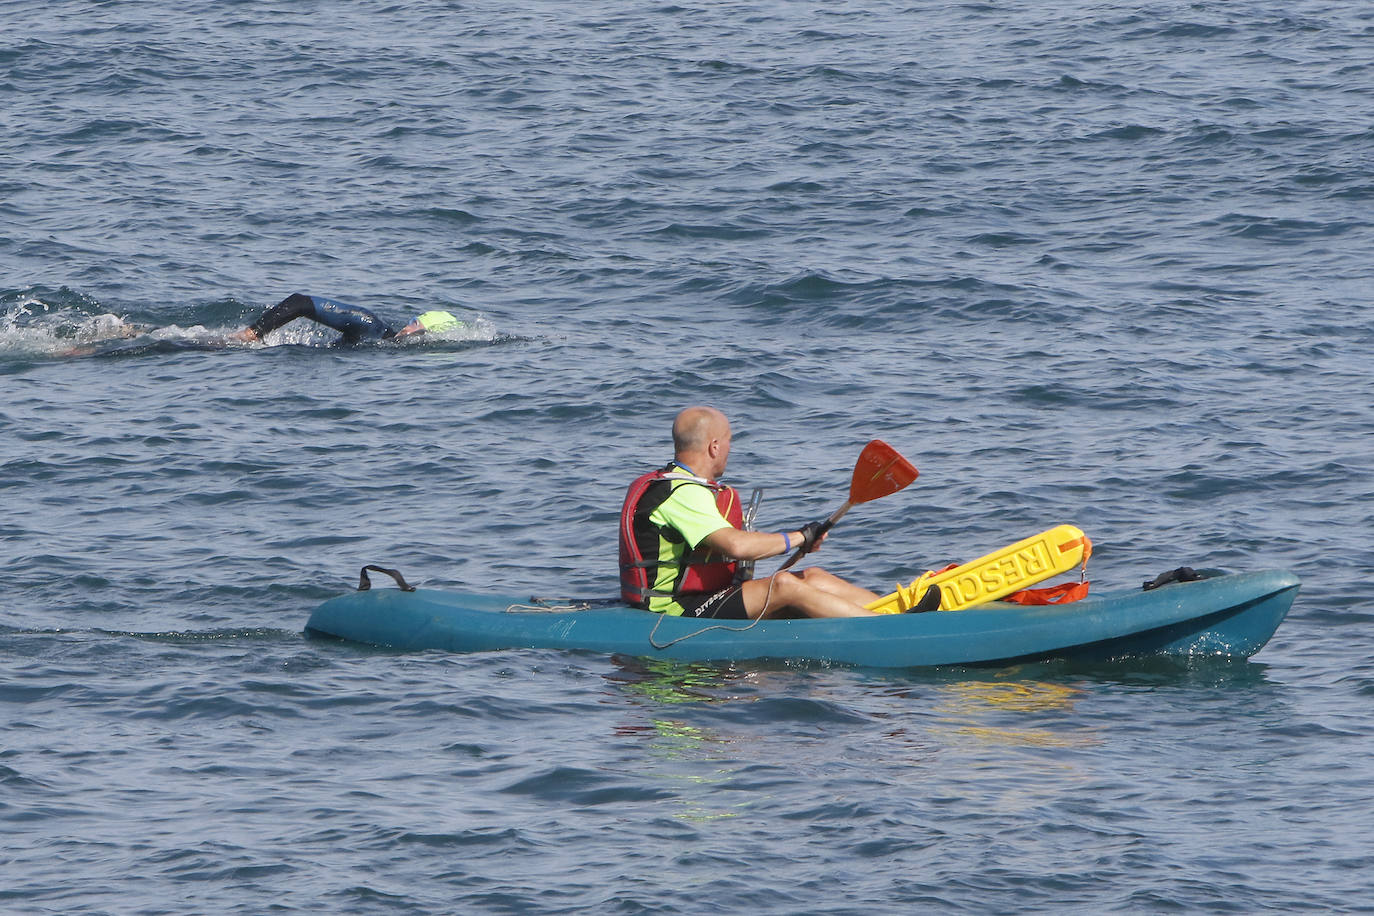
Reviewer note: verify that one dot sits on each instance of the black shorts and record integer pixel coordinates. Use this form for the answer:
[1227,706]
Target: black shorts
[727,605]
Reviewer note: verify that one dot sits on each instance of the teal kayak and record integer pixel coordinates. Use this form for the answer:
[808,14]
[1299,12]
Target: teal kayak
[1220,615]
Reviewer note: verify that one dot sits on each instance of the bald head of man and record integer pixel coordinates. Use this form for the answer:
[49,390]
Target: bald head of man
[701,440]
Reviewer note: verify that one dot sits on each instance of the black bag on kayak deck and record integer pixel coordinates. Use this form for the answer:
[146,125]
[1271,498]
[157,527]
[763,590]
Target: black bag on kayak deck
[1182,574]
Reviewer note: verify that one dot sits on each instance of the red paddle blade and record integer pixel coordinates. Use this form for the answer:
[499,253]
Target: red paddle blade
[880,471]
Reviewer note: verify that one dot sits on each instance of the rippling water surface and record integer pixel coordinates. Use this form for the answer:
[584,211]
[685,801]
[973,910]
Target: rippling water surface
[1099,264]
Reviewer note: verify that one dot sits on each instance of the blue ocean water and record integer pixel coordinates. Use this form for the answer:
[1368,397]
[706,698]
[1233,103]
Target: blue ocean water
[1089,263]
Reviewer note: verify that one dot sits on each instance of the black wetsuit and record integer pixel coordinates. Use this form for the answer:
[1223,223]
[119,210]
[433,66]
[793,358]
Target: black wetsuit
[356,323]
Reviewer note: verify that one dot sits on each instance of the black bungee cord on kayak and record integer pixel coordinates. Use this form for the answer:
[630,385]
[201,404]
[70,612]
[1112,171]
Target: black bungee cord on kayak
[747,571]
[767,599]
[545,604]
[1182,574]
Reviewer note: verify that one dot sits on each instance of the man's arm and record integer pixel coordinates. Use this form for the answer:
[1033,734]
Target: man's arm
[692,510]
[752,545]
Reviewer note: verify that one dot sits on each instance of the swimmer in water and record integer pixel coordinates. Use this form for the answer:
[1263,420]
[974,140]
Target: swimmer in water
[354,322]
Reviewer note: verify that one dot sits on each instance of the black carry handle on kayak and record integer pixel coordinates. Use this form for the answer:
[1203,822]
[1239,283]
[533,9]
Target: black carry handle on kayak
[365,584]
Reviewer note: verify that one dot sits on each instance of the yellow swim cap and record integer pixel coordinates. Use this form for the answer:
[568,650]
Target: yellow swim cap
[438,321]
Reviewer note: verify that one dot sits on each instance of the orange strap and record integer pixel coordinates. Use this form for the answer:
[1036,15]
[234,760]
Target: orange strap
[1087,547]
[1050,594]
[1064,592]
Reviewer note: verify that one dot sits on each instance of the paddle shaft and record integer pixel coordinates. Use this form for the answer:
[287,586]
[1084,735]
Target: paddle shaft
[825,526]
[880,471]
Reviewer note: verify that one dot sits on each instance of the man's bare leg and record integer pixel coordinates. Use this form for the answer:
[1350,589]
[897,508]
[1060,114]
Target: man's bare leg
[791,591]
[854,594]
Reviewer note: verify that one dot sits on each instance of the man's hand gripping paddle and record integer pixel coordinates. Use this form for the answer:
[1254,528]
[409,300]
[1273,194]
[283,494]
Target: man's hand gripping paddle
[880,471]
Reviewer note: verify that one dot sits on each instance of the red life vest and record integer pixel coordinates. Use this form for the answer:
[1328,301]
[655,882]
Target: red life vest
[700,571]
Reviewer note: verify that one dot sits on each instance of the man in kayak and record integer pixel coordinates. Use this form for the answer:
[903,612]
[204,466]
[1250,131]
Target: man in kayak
[354,322]
[681,540]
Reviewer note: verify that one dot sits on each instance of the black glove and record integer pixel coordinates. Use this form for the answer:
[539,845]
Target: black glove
[810,533]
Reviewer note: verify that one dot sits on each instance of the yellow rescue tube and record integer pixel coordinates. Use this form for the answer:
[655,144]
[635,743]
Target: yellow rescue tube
[996,575]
